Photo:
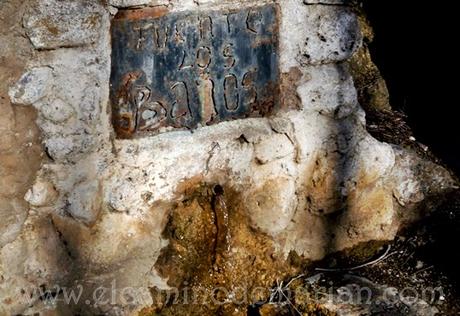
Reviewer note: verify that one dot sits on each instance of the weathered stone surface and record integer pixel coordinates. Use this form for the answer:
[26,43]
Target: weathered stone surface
[265,195]
[20,148]
[42,193]
[68,147]
[135,3]
[85,202]
[329,89]
[316,34]
[328,2]
[293,24]
[371,86]
[272,207]
[331,34]
[123,197]
[32,86]
[57,111]
[14,214]
[372,89]
[51,24]
[276,148]
[37,256]
[413,173]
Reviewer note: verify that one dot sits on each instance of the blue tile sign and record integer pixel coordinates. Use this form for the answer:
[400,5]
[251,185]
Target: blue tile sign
[189,69]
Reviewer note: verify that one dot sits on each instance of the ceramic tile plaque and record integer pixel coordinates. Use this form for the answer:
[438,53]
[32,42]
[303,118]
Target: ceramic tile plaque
[187,69]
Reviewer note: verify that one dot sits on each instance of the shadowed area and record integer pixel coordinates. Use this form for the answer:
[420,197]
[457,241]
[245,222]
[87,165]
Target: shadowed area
[412,48]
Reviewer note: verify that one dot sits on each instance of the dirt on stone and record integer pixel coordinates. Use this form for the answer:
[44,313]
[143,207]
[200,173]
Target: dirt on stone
[217,263]
[20,146]
[417,274]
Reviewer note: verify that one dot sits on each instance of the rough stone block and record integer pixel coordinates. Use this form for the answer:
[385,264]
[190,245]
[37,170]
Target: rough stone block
[273,205]
[327,2]
[32,86]
[52,24]
[14,214]
[135,3]
[330,87]
[85,202]
[57,111]
[42,193]
[122,197]
[273,148]
[68,147]
[331,34]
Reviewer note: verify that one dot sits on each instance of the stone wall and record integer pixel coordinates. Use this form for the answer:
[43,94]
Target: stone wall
[286,190]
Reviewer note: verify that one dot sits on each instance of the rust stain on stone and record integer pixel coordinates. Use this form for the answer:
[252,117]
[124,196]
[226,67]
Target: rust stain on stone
[50,27]
[93,21]
[289,84]
[213,246]
[140,14]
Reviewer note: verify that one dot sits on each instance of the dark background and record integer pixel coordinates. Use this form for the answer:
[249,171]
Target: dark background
[414,50]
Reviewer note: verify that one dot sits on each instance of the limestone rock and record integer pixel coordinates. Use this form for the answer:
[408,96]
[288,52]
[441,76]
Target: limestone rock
[323,187]
[68,147]
[328,2]
[36,258]
[57,111]
[123,197]
[135,3]
[371,205]
[51,24]
[371,161]
[415,179]
[276,147]
[32,86]
[332,34]
[329,90]
[14,214]
[42,193]
[85,202]
[273,205]
[317,34]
